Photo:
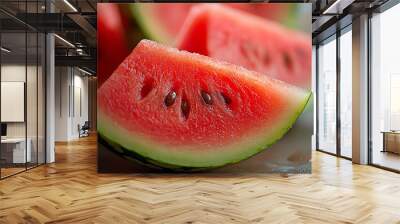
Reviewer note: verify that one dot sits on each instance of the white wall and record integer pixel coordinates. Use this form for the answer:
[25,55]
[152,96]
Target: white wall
[70,83]
[80,105]
[62,81]
[12,73]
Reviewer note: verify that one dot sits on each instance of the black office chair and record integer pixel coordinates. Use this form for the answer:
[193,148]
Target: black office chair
[84,130]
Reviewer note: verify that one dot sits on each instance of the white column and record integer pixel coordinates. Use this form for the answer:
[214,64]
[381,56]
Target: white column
[50,92]
[50,99]
[360,90]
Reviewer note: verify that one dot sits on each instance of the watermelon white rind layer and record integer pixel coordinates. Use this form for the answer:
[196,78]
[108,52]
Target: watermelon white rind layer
[172,152]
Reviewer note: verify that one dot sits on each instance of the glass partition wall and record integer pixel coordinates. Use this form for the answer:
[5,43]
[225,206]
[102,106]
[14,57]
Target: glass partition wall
[334,86]
[22,95]
[13,110]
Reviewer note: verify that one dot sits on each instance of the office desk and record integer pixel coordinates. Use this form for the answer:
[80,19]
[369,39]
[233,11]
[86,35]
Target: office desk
[391,141]
[15,148]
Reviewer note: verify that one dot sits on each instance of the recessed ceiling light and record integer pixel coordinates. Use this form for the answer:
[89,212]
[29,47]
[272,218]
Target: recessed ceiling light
[64,40]
[84,71]
[70,5]
[5,50]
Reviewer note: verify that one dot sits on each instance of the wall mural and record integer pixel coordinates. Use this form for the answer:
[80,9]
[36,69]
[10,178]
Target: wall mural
[203,87]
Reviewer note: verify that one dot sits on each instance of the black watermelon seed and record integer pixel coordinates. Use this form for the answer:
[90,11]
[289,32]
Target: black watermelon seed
[288,61]
[185,108]
[206,97]
[227,100]
[170,98]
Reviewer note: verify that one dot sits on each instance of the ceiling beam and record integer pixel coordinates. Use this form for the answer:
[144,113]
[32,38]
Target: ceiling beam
[49,22]
[81,61]
[84,24]
[320,22]
[337,7]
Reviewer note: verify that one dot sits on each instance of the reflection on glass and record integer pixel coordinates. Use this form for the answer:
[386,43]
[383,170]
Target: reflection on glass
[345,94]
[327,96]
[22,92]
[15,150]
[386,89]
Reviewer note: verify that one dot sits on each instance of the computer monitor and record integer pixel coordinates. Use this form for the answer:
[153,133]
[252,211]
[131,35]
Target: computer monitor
[3,129]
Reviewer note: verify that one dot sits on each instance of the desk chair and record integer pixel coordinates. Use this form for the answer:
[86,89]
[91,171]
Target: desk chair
[84,130]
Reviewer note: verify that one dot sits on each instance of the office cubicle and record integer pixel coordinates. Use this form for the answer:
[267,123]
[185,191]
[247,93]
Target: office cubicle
[22,77]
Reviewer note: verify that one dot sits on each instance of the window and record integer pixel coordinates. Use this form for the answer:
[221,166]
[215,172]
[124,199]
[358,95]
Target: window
[385,89]
[346,92]
[327,96]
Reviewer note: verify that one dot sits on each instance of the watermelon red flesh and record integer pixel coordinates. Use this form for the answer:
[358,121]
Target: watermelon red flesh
[133,113]
[163,21]
[111,40]
[249,41]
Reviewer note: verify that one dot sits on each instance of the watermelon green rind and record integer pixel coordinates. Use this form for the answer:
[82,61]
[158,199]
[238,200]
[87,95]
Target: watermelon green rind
[148,162]
[148,23]
[163,159]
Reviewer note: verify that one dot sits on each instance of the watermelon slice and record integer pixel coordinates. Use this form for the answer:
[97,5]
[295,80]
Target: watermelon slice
[173,109]
[243,39]
[162,21]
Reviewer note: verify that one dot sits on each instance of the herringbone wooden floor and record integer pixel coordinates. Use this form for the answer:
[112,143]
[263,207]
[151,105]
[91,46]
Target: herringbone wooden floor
[70,191]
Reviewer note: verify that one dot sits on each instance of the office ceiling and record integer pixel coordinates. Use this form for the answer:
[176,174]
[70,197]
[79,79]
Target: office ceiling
[16,42]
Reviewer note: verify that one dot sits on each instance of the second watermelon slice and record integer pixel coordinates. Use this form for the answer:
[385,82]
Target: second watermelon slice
[163,21]
[247,40]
